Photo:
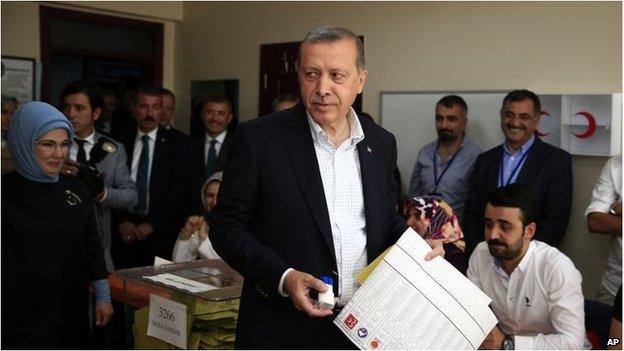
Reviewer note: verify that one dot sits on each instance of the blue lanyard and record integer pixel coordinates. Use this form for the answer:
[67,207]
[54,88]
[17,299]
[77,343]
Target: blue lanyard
[437,180]
[515,170]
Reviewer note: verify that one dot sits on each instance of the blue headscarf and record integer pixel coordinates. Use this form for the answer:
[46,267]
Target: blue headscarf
[28,123]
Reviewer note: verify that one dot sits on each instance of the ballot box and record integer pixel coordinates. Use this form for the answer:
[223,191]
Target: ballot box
[191,305]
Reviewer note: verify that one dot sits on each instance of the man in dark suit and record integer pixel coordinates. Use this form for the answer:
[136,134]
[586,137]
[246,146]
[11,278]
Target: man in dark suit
[523,158]
[210,152]
[159,166]
[307,192]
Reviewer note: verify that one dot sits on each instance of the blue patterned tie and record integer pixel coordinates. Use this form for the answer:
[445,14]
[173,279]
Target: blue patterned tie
[141,179]
[211,160]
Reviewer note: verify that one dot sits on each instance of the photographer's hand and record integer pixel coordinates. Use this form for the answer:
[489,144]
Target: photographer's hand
[127,231]
[143,230]
[70,167]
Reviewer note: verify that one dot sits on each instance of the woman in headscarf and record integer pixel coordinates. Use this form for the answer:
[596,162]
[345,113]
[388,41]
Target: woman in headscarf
[193,238]
[433,218]
[50,245]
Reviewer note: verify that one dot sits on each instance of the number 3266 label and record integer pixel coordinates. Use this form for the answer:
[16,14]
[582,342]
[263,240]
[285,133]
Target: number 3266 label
[167,321]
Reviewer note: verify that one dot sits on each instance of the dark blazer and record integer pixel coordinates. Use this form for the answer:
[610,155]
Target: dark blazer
[168,190]
[271,214]
[198,168]
[49,239]
[547,169]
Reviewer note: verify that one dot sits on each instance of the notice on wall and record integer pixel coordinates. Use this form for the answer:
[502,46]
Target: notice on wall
[410,303]
[167,321]
[18,78]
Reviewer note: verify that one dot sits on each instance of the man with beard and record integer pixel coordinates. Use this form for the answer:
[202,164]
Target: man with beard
[158,162]
[443,166]
[535,289]
[524,159]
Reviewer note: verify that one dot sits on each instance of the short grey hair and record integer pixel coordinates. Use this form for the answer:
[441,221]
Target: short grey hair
[326,34]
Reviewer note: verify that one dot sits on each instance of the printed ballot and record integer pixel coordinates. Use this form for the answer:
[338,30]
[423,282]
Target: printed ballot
[409,303]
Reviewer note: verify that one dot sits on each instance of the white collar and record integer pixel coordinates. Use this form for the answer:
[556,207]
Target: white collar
[356,133]
[89,139]
[151,135]
[220,138]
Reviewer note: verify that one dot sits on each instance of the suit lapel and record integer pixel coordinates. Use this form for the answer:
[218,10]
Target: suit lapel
[494,176]
[223,152]
[300,148]
[532,161]
[159,159]
[369,169]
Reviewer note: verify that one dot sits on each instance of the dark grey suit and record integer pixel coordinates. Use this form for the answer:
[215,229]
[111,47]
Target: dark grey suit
[272,215]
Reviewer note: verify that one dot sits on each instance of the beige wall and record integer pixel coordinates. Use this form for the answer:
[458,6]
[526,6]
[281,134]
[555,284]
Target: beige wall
[562,47]
[548,47]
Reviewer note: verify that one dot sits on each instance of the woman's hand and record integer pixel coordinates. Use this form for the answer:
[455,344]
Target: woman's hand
[193,223]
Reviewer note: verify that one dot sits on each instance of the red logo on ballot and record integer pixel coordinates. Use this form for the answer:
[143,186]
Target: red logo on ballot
[351,321]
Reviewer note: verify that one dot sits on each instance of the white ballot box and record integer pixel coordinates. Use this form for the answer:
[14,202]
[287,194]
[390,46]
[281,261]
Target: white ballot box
[409,303]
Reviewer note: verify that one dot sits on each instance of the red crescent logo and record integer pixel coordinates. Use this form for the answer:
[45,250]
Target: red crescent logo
[536,131]
[591,125]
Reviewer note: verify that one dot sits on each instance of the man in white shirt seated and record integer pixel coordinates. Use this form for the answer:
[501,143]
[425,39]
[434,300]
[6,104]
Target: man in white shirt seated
[535,289]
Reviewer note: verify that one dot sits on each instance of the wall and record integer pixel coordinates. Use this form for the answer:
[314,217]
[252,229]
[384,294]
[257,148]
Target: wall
[20,26]
[562,47]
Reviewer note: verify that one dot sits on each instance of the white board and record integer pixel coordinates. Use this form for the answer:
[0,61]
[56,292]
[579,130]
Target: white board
[410,116]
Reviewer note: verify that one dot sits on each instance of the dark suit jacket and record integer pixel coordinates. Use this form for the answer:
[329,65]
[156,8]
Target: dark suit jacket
[198,168]
[547,169]
[271,214]
[168,189]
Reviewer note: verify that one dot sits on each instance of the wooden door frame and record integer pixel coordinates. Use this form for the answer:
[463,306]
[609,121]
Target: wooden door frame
[47,13]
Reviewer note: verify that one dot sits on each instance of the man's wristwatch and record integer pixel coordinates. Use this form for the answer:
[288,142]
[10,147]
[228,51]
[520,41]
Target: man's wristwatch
[612,210]
[508,343]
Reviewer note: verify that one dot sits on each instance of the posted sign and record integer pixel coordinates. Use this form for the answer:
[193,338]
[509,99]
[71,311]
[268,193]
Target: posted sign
[167,321]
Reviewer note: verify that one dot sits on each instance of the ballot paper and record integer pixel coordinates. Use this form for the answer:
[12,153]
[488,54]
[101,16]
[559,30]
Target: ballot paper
[181,282]
[410,303]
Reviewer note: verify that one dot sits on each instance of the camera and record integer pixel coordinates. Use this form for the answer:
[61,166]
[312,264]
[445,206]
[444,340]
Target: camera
[88,173]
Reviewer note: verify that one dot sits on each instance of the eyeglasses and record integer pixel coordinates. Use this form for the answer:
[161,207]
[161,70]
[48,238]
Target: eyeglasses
[50,146]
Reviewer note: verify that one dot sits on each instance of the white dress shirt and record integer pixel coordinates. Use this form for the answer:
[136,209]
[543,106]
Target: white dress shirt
[219,138]
[136,155]
[608,190]
[88,145]
[541,303]
[342,185]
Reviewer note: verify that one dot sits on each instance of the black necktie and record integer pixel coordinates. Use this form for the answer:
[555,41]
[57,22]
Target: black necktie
[141,178]
[211,160]
[82,154]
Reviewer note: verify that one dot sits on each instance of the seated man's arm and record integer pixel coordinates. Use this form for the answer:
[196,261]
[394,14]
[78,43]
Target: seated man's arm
[566,306]
[604,223]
